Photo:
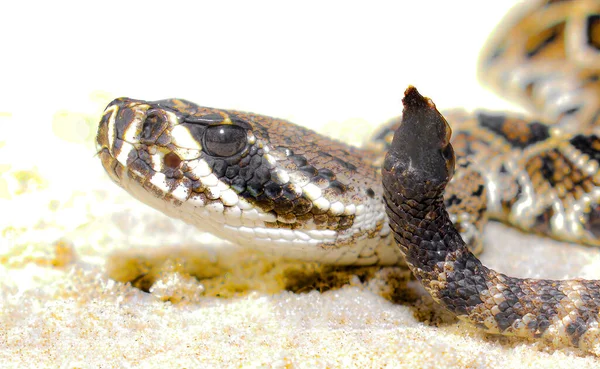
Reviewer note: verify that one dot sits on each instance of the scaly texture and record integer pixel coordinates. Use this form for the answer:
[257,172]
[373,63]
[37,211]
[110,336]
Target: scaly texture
[257,181]
[269,184]
[416,170]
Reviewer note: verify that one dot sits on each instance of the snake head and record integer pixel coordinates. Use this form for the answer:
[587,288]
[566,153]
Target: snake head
[165,136]
[248,178]
[421,148]
[169,152]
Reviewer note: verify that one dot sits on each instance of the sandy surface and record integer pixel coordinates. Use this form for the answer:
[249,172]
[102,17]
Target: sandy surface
[70,240]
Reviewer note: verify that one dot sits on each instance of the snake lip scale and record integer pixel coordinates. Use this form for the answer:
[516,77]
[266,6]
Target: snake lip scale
[272,185]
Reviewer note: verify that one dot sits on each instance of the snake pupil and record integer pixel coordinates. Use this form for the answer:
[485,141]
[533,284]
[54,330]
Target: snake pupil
[224,140]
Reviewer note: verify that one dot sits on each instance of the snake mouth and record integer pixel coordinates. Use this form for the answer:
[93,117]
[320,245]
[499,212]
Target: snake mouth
[113,168]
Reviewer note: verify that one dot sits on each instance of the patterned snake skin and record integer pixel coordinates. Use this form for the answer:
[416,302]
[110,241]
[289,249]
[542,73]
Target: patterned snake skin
[269,184]
[416,169]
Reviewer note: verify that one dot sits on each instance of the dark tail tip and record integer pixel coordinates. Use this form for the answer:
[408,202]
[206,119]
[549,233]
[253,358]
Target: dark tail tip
[423,139]
[422,124]
[414,100]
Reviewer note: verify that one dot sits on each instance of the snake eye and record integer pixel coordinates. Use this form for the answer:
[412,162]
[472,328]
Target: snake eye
[224,140]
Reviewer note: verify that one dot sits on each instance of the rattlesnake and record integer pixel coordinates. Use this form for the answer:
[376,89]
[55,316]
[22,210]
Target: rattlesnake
[270,184]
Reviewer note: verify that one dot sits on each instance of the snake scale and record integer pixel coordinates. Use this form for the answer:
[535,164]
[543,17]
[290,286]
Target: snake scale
[272,185]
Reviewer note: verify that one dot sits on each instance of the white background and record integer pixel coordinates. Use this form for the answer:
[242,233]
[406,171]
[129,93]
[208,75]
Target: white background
[312,61]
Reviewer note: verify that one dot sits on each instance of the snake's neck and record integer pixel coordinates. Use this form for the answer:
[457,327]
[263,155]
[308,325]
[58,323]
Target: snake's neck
[422,223]
[415,172]
[433,248]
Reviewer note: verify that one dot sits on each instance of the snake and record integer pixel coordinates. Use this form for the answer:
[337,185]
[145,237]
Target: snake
[272,185]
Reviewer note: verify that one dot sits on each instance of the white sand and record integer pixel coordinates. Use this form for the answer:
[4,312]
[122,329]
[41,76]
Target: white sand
[63,232]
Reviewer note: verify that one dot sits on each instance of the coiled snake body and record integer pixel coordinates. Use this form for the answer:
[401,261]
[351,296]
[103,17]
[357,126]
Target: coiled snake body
[267,183]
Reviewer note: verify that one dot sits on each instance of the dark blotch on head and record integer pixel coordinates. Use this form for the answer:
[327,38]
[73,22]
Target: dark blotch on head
[124,118]
[172,160]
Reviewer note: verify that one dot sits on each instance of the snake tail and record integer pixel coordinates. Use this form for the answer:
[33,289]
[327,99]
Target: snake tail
[416,170]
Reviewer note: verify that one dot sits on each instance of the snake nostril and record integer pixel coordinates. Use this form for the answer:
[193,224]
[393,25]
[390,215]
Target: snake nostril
[154,124]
